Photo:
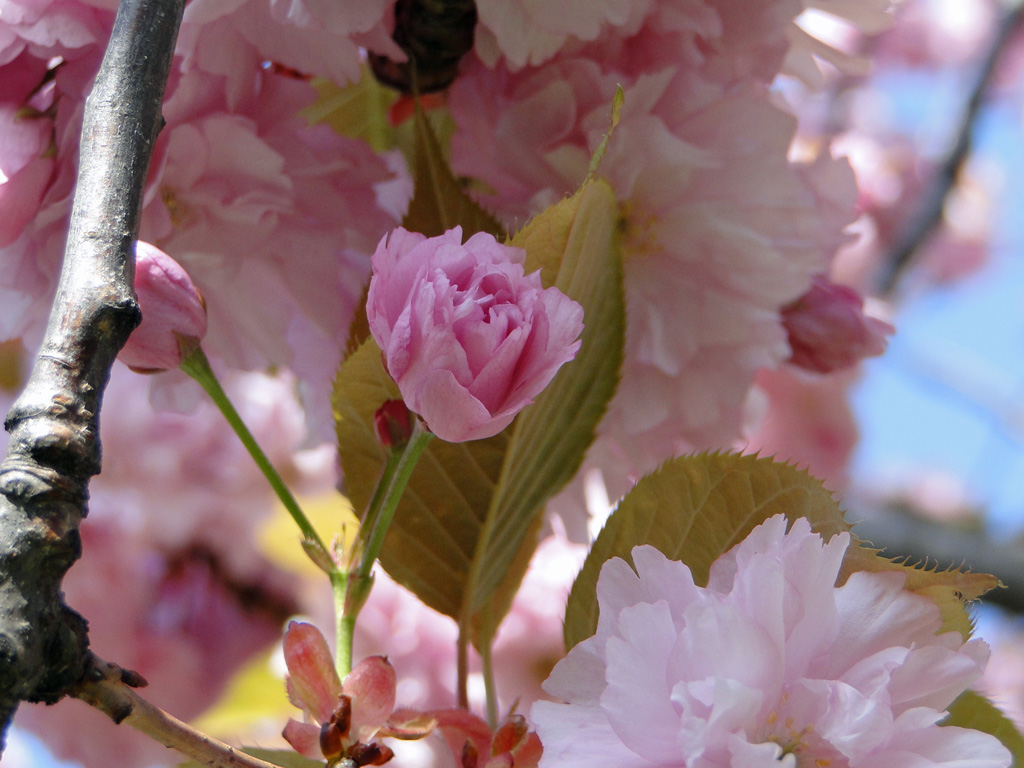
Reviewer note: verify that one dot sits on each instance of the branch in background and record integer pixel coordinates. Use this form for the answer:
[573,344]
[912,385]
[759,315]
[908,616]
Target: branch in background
[54,446]
[920,540]
[108,688]
[929,214]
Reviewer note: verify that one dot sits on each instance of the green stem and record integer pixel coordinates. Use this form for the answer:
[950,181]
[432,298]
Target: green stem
[395,477]
[462,669]
[344,625]
[487,660]
[198,367]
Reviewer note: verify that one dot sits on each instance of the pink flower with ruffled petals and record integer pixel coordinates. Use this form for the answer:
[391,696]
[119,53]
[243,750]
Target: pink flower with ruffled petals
[770,664]
[525,32]
[47,28]
[469,338]
[719,228]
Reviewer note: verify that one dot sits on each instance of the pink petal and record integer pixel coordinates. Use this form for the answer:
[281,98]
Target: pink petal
[409,725]
[460,727]
[313,684]
[304,738]
[371,686]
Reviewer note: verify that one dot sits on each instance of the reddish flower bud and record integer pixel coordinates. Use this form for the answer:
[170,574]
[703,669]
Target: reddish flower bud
[393,424]
[369,754]
[173,313]
[828,330]
[509,734]
[331,744]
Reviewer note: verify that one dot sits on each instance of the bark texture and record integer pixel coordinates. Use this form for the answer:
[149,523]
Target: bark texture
[54,447]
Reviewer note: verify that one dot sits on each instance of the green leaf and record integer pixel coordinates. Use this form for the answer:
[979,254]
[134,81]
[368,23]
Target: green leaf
[431,543]
[694,509]
[358,110]
[551,437]
[972,710]
[282,757]
[439,202]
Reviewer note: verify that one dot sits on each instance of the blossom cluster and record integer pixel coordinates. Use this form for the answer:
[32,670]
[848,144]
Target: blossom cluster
[739,331]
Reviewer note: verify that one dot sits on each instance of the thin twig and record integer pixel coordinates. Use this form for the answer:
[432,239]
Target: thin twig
[929,214]
[104,687]
[54,446]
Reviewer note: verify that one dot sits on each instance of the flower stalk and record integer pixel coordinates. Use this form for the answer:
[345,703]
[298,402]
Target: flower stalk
[398,469]
[198,367]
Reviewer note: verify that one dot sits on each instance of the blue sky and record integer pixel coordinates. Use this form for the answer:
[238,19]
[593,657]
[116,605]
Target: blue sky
[949,392]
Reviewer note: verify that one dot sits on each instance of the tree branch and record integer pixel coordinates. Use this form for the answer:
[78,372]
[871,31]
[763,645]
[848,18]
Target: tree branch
[54,447]
[929,213]
[107,687]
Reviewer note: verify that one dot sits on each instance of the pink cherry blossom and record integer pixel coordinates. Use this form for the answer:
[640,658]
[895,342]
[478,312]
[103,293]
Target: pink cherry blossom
[232,39]
[720,228]
[828,330]
[47,28]
[770,662]
[342,717]
[525,32]
[25,162]
[173,313]
[512,745]
[469,338]
[273,220]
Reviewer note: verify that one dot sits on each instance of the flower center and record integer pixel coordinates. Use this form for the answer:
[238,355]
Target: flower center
[175,208]
[636,227]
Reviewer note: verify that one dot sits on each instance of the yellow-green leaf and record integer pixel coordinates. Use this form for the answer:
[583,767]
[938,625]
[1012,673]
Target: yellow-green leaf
[358,110]
[431,543]
[551,437]
[694,509]
[972,710]
[439,202]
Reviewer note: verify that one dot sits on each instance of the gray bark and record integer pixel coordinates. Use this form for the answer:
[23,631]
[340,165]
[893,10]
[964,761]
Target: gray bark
[54,447]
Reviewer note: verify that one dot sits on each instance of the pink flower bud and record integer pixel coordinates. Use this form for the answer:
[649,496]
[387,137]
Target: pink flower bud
[173,313]
[468,337]
[828,329]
